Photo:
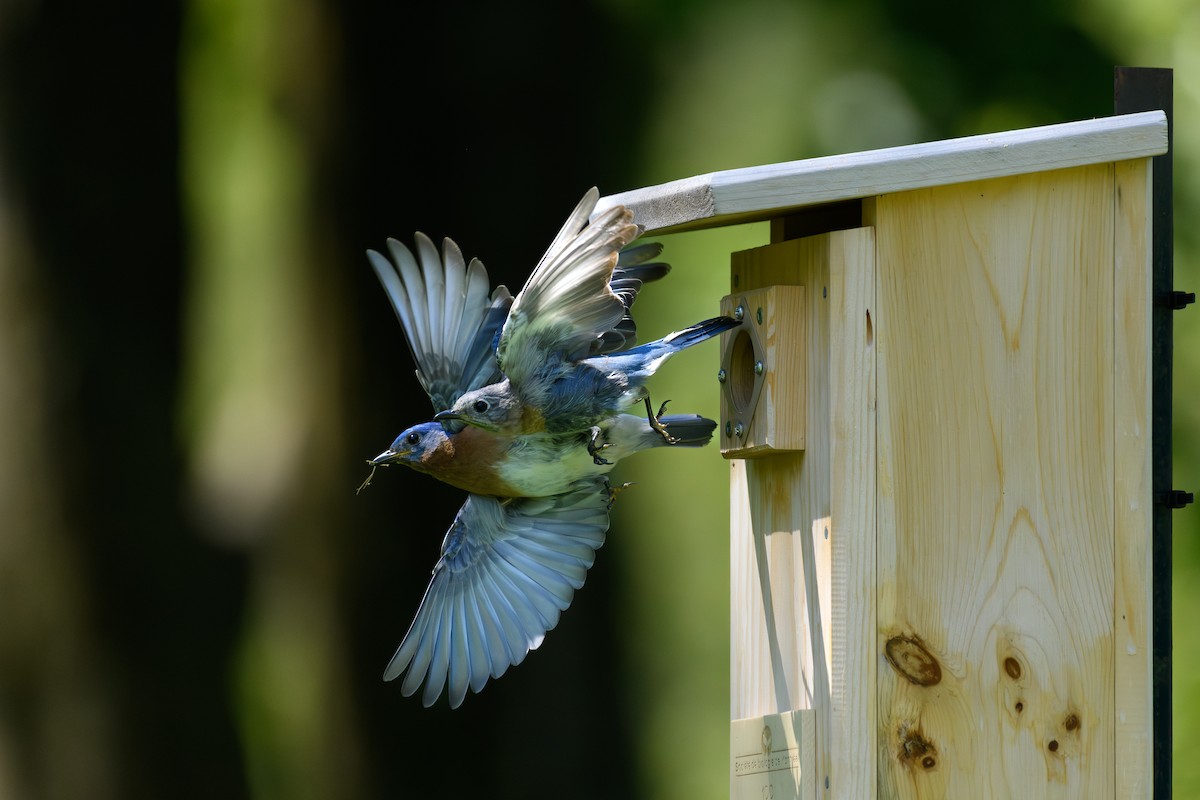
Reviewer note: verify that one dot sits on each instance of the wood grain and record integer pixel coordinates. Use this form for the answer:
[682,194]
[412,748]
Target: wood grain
[784,552]
[1132,482]
[777,661]
[994,351]
[852,516]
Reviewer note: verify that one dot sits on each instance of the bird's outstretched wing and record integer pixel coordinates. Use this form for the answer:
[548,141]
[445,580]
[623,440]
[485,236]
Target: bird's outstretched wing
[507,570]
[449,319]
[635,267]
[567,306]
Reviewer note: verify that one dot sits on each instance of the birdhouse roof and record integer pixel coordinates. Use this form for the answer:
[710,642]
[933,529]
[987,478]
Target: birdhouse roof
[749,194]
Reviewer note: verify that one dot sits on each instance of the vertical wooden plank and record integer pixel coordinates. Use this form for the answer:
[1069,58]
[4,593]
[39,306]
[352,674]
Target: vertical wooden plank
[995,487]
[778,648]
[773,504]
[1148,89]
[1132,490]
[785,547]
[771,666]
[852,529]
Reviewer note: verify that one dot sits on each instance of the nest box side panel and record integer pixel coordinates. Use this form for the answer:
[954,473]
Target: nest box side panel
[778,508]
[1133,485]
[802,529]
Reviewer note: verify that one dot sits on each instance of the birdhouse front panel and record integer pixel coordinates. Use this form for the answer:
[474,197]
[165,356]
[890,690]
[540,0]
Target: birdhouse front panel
[999,313]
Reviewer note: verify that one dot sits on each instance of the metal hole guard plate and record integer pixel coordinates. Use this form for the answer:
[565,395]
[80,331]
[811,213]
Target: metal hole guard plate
[763,371]
[773,757]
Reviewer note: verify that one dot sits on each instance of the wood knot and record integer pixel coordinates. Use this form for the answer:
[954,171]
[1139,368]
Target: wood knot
[1012,667]
[909,657]
[915,748]
[1071,722]
[1053,745]
[1020,706]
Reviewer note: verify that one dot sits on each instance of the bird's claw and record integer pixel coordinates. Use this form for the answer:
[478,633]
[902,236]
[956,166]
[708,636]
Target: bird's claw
[595,449]
[616,490]
[656,422]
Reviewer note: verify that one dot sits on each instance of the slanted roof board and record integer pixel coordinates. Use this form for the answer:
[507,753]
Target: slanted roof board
[750,194]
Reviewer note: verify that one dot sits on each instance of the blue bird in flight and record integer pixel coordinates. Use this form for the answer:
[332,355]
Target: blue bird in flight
[538,502]
[559,374]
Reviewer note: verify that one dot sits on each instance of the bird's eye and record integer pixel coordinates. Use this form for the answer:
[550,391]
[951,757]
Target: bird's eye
[481,406]
[412,438]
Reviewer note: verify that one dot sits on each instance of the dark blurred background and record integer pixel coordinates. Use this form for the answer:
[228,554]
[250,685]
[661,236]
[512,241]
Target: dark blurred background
[195,360]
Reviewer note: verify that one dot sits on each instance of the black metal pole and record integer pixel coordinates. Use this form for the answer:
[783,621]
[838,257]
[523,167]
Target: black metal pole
[1149,89]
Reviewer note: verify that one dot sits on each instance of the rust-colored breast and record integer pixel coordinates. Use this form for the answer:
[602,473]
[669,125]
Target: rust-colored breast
[468,460]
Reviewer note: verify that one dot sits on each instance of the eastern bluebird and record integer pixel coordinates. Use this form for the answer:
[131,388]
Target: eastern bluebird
[558,376]
[538,464]
[451,326]
[538,505]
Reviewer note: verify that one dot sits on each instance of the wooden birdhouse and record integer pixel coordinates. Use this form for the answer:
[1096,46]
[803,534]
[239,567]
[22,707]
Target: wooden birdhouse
[939,414]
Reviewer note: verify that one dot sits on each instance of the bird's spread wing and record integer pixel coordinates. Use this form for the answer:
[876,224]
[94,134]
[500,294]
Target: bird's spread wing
[567,306]
[634,269]
[449,319]
[506,572]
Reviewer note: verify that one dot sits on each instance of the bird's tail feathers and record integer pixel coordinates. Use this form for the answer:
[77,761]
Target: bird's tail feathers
[699,332]
[640,362]
[650,355]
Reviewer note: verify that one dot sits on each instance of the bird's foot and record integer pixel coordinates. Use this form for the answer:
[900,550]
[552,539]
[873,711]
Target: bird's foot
[656,423]
[616,490]
[595,449]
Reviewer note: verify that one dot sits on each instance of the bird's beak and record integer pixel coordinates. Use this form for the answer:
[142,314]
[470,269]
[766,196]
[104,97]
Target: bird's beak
[446,416]
[385,458]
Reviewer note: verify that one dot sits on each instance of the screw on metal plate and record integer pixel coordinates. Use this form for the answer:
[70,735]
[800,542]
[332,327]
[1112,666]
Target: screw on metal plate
[758,368]
[721,376]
